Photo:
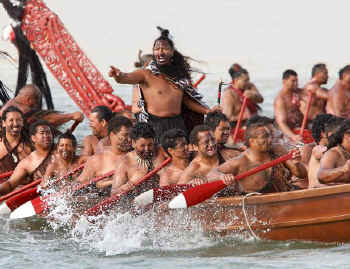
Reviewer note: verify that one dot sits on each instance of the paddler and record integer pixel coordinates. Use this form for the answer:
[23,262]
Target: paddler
[221,128]
[28,101]
[34,165]
[175,143]
[65,160]
[98,118]
[339,95]
[287,111]
[335,163]
[259,151]
[119,129]
[207,157]
[14,144]
[164,85]
[137,163]
[319,76]
[234,94]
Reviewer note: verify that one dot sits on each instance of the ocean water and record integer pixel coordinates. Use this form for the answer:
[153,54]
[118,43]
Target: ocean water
[266,37]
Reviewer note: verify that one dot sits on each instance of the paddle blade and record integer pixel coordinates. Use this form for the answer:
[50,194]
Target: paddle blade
[21,198]
[196,195]
[307,136]
[24,211]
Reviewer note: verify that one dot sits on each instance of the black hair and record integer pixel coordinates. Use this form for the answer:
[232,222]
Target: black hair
[318,126]
[170,137]
[337,137]
[117,122]
[318,68]
[259,119]
[70,136]
[194,133]
[345,69]
[214,118]
[234,68]
[142,130]
[288,73]
[34,126]
[333,124]
[11,109]
[239,73]
[179,67]
[103,113]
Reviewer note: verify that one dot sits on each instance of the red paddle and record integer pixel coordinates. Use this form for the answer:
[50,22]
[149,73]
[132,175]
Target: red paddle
[6,174]
[108,203]
[195,85]
[238,125]
[198,194]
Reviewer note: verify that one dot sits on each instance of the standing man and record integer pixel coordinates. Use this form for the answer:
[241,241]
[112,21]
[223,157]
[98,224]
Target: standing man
[165,85]
[339,96]
[14,144]
[319,95]
[287,105]
[98,118]
[35,164]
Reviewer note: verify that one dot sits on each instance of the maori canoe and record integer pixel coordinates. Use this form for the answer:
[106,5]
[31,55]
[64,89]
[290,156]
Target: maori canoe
[310,215]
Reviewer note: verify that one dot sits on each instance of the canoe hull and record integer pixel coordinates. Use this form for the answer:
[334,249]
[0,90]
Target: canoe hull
[312,215]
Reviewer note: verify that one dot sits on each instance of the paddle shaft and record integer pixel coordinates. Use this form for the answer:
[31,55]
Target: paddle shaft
[115,198]
[6,174]
[219,92]
[74,126]
[195,85]
[308,106]
[240,117]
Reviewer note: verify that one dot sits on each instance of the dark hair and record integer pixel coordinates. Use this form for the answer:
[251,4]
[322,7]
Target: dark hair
[345,69]
[170,137]
[142,130]
[214,118]
[337,137]
[11,109]
[70,136]
[318,68]
[117,122]
[194,133]
[233,69]
[259,119]
[179,68]
[103,113]
[34,126]
[333,124]
[239,73]
[288,73]
[250,130]
[318,125]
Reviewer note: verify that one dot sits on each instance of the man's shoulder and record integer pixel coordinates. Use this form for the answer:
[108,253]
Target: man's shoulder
[90,138]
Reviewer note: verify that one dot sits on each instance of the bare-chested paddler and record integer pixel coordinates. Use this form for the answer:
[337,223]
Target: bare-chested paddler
[14,144]
[143,159]
[35,164]
[339,96]
[335,163]
[258,141]
[28,101]
[287,105]
[165,85]
[102,163]
[207,157]
[175,143]
[65,161]
[98,118]
[232,98]
[221,128]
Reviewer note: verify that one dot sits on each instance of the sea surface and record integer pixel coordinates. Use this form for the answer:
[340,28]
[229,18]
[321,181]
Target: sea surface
[266,37]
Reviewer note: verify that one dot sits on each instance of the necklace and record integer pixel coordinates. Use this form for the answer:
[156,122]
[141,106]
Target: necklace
[144,163]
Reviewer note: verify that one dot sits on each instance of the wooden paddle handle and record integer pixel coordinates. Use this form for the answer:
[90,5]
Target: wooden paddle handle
[219,92]
[195,85]
[308,106]
[97,209]
[74,126]
[239,122]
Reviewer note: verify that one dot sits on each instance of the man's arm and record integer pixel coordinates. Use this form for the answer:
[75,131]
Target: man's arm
[19,175]
[281,119]
[189,173]
[88,148]
[120,178]
[49,173]
[227,168]
[339,105]
[253,94]
[329,171]
[228,105]
[195,106]
[57,119]
[89,170]
[136,77]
